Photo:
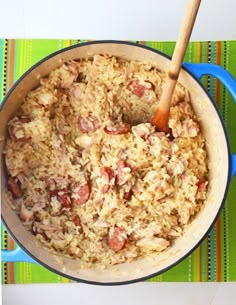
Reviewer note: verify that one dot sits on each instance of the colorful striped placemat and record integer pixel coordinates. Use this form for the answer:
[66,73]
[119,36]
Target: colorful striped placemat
[215,259]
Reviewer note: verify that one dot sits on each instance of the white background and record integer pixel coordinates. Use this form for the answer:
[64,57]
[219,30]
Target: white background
[128,20]
[114,19]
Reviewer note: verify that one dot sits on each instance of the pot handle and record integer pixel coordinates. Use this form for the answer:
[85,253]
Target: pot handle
[17,255]
[233,165]
[224,76]
[198,70]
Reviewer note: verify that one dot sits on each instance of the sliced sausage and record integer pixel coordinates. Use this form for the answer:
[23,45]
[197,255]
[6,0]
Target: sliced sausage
[117,239]
[80,193]
[118,128]
[123,171]
[76,220]
[95,121]
[107,175]
[14,187]
[105,188]
[133,236]
[85,125]
[139,89]
[62,196]
[12,132]
[88,124]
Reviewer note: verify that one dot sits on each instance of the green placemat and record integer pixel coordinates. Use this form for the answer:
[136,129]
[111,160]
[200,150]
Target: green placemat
[215,259]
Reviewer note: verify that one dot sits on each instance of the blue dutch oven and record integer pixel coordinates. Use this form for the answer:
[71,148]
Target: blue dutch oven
[222,166]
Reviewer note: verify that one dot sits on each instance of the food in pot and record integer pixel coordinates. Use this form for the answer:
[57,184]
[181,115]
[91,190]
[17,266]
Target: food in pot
[87,173]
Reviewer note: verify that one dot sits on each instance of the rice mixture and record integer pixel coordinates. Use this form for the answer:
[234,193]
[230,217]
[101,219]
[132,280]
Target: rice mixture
[90,177]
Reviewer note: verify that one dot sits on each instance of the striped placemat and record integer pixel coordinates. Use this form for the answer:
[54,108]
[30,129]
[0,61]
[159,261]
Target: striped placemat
[215,259]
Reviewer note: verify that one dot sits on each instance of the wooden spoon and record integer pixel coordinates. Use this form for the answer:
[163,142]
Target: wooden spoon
[161,116]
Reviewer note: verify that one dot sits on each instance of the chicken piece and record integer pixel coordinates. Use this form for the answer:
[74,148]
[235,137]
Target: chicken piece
[153,243]
[142,130]
[25,214]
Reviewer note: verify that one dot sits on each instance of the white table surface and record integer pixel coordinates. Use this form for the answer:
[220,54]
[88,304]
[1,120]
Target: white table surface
[126,20]
[109,19]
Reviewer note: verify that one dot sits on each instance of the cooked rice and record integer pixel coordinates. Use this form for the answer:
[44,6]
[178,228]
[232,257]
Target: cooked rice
[90,177]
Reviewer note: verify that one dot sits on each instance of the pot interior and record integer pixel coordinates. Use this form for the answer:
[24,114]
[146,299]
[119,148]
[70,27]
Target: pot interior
[218,163]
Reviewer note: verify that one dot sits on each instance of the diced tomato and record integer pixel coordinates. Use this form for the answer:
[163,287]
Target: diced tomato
[201,184]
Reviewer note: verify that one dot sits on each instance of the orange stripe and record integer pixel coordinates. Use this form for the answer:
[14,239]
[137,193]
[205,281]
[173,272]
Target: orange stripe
[11,244]
[11,265]
[12,277]
[218,247]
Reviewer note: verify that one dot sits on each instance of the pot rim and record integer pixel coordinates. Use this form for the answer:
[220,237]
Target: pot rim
[144,278]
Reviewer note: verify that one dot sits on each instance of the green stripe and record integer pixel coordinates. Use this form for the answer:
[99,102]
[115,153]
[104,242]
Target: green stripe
[204,261]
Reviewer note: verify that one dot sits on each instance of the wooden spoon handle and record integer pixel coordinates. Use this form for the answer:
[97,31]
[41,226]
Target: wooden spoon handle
[161,116]
[183,38]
